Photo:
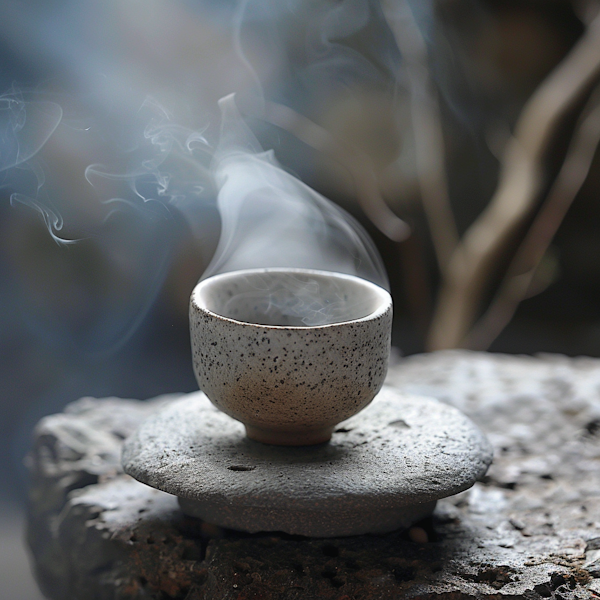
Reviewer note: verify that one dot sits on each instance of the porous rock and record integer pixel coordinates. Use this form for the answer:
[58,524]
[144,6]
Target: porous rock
[383,469]
[530,530]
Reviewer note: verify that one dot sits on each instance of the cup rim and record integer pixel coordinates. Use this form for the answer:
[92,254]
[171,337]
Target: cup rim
[383,306]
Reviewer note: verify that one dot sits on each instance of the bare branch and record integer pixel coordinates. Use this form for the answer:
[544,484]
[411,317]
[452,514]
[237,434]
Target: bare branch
[519,278]
[521,181]
[359,164]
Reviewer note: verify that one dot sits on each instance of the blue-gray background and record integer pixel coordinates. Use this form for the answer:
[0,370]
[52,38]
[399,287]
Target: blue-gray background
[108,315]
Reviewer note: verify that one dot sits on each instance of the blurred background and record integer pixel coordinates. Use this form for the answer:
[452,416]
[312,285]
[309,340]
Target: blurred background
[462,134]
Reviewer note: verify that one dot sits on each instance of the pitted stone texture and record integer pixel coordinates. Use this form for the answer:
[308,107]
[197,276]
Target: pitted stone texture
[289,385]
[530,530]
[384,469]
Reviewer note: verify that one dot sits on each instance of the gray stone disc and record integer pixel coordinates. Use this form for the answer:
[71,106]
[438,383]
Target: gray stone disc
[383,469]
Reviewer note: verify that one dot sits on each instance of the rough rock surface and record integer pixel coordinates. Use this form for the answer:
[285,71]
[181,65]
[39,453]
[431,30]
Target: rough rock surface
[531,530]
[382,470]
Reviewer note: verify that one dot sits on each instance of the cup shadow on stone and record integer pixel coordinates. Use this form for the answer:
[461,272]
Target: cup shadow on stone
[242,453]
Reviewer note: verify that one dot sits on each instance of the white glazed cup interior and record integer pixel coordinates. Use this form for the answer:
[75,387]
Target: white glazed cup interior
[290,297]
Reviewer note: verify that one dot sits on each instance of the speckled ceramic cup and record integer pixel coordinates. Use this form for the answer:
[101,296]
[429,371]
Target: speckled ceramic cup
[290,352]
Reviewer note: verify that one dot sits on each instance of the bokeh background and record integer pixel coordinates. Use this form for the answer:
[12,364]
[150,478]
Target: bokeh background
[412,98]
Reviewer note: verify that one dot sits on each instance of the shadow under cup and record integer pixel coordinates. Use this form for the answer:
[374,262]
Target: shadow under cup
[290,352]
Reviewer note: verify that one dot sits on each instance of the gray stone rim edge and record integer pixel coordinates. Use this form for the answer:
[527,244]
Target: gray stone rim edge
[301,522]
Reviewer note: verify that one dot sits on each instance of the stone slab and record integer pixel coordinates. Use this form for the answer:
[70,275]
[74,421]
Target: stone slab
[530,530]
[384,468]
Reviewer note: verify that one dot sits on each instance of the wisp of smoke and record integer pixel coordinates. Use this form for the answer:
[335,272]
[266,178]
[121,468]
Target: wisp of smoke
[293,298]
[25,127]
[132,230]
[269,218]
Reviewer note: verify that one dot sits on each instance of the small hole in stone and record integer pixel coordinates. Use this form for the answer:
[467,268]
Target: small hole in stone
[335,580]
[299,568]
[240,468]
[400,423]
[352,565]
[557,580]
[402,574]
[192,552]
[543,590]
[593,427]
[330,550]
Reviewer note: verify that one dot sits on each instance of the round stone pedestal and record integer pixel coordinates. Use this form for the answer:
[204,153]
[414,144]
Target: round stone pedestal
[383,469]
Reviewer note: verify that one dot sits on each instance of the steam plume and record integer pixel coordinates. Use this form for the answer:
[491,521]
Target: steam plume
[271,219]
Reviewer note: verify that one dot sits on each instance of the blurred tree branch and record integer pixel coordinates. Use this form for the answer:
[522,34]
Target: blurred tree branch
[522,179]
[521,274]
[358,163]
[468,266]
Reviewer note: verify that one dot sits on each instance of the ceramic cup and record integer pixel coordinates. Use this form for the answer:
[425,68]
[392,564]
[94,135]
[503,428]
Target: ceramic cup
[290,352]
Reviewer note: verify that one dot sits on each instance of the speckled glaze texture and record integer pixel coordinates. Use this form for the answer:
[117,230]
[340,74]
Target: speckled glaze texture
[290,385]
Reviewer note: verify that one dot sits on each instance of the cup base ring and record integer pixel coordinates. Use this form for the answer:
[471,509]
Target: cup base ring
[308,437]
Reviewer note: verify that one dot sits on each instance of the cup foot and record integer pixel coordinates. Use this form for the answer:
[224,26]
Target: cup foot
[289,438]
